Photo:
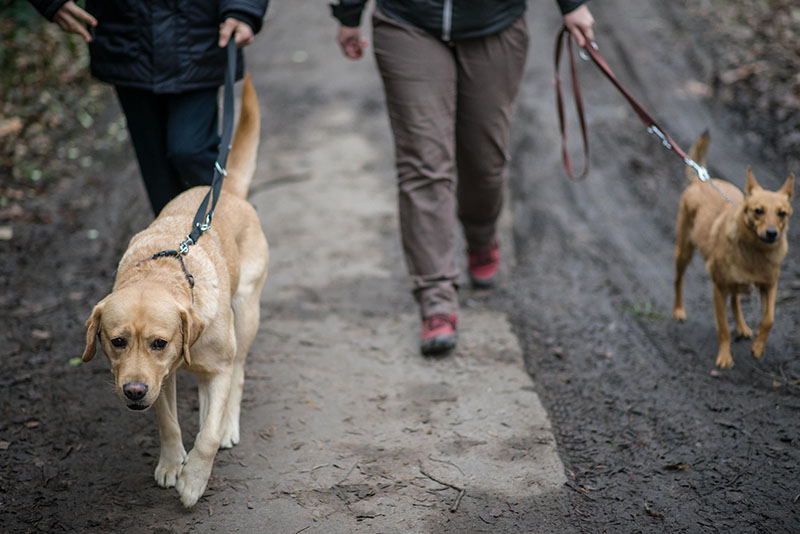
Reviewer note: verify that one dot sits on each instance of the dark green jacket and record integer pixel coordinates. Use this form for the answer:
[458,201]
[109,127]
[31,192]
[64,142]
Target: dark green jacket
[449,20]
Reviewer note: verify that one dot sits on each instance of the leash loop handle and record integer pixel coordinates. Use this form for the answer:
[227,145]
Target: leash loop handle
[562,36]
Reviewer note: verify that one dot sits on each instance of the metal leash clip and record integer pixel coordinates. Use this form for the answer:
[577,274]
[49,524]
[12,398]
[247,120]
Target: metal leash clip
[658,133]
[701,171]
[582,53]
[184,247]
[206,224]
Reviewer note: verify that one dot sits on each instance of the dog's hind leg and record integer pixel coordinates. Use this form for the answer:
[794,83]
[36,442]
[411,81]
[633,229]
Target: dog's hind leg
[724,358]
[246,315]
[170,461]
[742,330]
[768,294]
[684,249]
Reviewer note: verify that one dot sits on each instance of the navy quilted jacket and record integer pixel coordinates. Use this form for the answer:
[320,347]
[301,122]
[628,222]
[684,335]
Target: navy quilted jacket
[165,46]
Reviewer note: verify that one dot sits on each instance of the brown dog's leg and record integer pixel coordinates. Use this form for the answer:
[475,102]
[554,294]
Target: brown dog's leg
[768,294]
[170,461]
[724,358]
[684,249]
[742,330]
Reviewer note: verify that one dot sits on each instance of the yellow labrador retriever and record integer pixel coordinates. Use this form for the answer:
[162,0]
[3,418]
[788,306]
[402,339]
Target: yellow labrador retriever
[199,312]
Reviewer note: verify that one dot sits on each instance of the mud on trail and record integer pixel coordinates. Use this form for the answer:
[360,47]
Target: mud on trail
[651,436]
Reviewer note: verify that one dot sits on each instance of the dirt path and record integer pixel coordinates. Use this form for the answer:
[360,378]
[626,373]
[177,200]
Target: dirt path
[653,438]
[345,427]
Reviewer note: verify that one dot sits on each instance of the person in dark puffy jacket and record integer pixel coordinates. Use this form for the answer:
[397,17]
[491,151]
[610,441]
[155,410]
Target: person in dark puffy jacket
[450,70]
[166,61]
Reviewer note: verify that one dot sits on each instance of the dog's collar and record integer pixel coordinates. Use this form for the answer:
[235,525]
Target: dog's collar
[175,254]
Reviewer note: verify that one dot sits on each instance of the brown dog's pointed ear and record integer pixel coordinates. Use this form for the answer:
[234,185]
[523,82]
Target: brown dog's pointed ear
[191,328]
[788,186]
[92,328]
[751,184]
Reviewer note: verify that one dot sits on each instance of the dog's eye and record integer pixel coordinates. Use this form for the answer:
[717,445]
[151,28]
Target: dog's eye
[781,214]
[159,344]
[759,211]
[118,342]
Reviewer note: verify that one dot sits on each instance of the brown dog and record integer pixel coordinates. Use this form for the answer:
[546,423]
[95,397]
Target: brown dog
[154,322]
[743,245]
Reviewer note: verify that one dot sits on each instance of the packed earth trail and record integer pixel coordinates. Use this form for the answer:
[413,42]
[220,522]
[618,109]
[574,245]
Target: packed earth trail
[573,403]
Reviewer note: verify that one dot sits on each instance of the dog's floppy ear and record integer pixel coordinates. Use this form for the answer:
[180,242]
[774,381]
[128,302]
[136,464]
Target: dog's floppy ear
[191,328]
[92,328]
[751,184]
[788,186]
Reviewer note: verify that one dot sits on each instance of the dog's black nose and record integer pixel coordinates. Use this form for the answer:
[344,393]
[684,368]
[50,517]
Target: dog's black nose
[134,390]
[770,235]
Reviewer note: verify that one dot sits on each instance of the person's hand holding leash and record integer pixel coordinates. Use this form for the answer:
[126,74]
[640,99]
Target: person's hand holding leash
[241,31]
[351,42]
[579,23]
[70,17]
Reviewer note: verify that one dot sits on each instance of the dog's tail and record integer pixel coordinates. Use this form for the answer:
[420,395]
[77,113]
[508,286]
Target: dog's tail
[698,154]
[242,157]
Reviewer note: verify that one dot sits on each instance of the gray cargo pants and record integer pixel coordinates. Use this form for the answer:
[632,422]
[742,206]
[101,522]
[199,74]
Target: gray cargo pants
[449,106]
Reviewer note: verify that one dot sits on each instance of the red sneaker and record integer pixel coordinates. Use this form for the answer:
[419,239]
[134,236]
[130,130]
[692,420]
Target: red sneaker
[438,333]
[483,266]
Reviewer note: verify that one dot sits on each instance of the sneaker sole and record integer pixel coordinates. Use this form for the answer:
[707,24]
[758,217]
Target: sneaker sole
[489,283]
[438,345]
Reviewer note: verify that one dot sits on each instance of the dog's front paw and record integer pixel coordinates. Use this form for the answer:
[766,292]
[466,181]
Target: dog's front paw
[757,349]
[679,314]
[167,472]
[744,332]
[724,360]
[230,434]
[192,481]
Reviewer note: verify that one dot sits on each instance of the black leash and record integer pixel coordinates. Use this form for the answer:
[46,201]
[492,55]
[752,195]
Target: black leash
[202,219]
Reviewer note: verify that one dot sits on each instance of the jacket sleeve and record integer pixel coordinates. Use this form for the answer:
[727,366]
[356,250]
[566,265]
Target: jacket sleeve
[48,8]
[250,11]
[348,12]
[568,6]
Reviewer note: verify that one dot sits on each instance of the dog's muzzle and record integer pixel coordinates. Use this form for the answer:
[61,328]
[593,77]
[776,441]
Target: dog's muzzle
[770,236]
[135,393]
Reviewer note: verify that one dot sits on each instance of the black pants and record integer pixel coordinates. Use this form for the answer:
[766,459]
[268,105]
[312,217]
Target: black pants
[175,137]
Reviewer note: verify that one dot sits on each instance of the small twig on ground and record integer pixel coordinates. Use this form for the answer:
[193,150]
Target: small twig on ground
[347,475]
[445,462]
[461,491]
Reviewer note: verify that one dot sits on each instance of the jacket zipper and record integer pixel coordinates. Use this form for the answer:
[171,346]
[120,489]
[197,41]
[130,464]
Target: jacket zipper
[447,19]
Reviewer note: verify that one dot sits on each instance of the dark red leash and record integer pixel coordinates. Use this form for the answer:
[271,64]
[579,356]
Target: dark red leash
[647,119]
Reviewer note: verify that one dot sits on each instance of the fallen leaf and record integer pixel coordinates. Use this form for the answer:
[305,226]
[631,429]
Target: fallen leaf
[676,467]
[41,334]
